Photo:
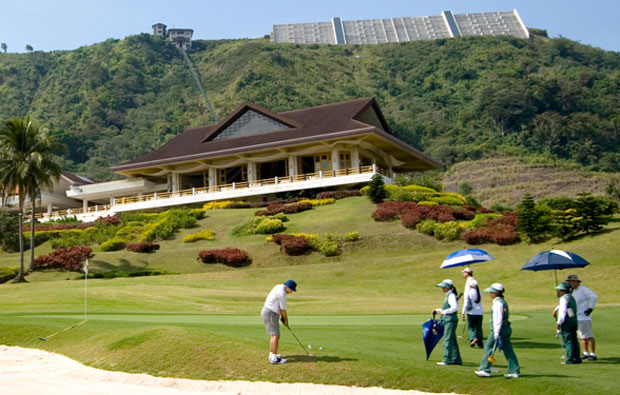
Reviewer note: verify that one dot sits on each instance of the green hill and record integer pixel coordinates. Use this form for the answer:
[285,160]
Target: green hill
[457,99]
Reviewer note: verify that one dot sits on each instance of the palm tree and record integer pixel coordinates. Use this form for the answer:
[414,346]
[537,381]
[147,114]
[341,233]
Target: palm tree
[26,166]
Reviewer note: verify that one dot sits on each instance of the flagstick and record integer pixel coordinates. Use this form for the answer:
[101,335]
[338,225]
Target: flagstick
[85,288]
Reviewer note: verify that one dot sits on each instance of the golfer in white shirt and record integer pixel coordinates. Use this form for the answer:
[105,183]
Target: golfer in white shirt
[472,307]
[586,301]
[275,306]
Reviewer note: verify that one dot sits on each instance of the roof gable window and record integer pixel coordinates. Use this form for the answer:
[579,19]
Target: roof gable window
[250,123]
[370,117]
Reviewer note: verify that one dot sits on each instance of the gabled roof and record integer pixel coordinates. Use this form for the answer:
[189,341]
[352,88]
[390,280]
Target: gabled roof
[74,179]
[306,125]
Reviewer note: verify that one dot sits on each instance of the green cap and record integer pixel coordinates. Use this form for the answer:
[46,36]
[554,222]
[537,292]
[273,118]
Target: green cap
[563,287]
[495,287]
[445,284]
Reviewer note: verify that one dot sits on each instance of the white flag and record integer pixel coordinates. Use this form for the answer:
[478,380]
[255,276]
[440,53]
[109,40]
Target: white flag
[86,267]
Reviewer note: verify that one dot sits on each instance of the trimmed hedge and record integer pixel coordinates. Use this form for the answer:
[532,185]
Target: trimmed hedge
[277,208]
[142,247]
[114,244]
[228,256]
[71,259]
[8,273]
[205,234]
[338,194]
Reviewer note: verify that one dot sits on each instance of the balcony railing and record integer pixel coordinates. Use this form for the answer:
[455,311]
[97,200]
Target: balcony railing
[219,188]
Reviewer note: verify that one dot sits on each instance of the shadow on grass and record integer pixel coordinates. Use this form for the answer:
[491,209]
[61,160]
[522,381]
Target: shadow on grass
[610,361]
[323,358]
[537,376]
[123,265]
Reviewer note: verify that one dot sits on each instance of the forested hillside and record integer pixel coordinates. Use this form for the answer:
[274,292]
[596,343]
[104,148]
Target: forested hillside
[457,99]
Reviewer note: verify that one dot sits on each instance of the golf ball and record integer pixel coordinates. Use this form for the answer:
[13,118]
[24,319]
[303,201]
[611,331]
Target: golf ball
[320,348]
[309,346]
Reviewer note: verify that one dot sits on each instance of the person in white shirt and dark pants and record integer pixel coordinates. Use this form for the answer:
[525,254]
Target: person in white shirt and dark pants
[472,307]
[274,308]
[586,301]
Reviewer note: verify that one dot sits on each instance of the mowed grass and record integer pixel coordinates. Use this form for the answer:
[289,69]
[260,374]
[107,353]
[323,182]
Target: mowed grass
[364,308]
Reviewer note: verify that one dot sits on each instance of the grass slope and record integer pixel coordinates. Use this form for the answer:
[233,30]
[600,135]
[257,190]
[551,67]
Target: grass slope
[364,307]
[505,180]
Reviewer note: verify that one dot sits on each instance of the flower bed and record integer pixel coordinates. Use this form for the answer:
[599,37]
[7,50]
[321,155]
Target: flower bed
[205,234]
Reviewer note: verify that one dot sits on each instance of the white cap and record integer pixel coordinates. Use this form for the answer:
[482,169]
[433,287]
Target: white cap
[495,287]
[447,283]
[467,270]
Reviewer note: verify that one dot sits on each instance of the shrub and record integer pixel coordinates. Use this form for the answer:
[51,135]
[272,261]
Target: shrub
[168,223]
[448,231]
[71,259]
[277,208]
[448,200]
[480,220]
[110,220]
[8,273]
[142,247]
[318,202]
[376,189]
[329,248]
[427,227]
[338,194]
[501,234]
[410,219]
[294,245]
[269,226]
[385,214]
[129,232]
[463,214]
[113,244]
[229,256]
[419,188]
[400,195]
[428,203]
[351,236]
[205,234]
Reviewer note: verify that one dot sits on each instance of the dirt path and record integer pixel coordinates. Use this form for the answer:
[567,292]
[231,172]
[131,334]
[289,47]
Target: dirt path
[31,371]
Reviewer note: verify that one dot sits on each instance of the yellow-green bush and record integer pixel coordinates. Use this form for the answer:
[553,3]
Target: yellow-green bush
[448,200]
[114,244]
[318,202]
[269,226]
[419,188]
[351,236]
[130,233]
[428,203]
[220,205]
[427,227]
[205,234]
[448,231]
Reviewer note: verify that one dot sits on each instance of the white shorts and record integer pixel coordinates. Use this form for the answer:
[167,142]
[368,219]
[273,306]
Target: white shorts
[584,329]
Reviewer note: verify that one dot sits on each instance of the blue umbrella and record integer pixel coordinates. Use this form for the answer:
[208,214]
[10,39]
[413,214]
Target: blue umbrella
[432,331]
[555,260]
[466,257]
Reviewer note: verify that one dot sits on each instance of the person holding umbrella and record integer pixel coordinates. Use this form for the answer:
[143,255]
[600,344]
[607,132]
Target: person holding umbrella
[275,306]
[449,311]
[567,323]
[472,306]
[501,332]
[586,301]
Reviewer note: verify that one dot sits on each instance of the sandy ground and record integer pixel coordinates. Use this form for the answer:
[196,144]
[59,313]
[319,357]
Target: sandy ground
[30,371]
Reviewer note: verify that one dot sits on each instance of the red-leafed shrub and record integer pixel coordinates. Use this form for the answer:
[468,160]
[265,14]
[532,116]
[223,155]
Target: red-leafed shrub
[71,259]
[110,220]
[338,194]
[501,234]
[295,245]
[463,214]
[384,214]
[507,218]
[143,247]
[52,226]
[228,256]
[484,210]
[410,219]
[277,208]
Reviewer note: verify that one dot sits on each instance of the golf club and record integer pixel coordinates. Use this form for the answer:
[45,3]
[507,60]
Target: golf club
[302,346]
[491,357]
[46,338]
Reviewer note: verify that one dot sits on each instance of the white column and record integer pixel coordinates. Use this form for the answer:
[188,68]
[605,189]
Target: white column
[251,171]
[212,176]
[355,157]
[49,208]
[85,205]
[292,165]
[175,182]
[335,159]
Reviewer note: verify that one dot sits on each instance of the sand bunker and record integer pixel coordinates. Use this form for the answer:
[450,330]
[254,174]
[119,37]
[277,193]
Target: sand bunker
[31,371]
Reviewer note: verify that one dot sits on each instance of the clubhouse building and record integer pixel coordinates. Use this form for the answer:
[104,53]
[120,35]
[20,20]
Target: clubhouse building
[255,154]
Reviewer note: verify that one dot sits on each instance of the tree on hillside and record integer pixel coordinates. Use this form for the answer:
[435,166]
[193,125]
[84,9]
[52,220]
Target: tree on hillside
[376,191]
[533,222]
[26,167]
[29,48]
[3,46]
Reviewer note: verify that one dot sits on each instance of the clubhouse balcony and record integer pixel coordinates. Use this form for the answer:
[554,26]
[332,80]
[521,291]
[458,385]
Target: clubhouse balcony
[140,199]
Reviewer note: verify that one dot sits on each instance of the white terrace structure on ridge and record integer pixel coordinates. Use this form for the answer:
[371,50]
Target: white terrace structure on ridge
[254,154]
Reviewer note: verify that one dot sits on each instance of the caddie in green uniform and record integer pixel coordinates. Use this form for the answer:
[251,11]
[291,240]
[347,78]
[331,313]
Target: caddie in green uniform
[501,332]
[450,320]
[567,323]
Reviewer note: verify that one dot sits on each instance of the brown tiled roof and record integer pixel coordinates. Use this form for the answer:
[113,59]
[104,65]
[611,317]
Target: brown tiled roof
[76,180]
[308,124]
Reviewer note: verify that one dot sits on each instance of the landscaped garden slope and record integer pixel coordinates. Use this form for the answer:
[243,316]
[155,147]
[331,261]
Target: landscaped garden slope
[504,180]
[364,307]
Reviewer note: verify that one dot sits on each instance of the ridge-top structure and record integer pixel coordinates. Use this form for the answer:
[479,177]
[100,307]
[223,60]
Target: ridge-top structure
[182,38]
[397,30]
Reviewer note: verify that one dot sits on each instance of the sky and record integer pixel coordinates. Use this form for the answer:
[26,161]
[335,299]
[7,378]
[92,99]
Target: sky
[49,25]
